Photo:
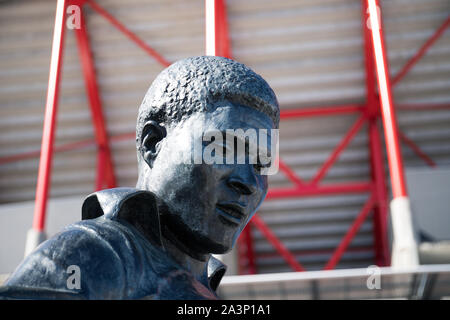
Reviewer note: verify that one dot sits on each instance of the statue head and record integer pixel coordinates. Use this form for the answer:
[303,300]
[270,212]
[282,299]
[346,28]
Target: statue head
[208,204]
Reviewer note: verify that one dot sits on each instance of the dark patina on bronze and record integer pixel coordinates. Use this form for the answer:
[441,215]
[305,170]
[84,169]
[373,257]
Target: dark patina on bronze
[156,240]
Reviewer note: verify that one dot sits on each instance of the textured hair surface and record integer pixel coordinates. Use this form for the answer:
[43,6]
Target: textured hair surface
[192,85]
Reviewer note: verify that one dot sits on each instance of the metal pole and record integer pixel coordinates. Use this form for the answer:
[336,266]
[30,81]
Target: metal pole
[210,28]
[36,235]
[105,168]
[216,29]
[380,217]
[380,210]
[224,48]
[404,247]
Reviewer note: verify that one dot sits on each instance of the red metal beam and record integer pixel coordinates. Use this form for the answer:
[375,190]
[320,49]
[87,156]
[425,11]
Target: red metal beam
[372,103]
[223,47]
[309,191]
[320,111]
[278,245]
[36,153]
[380,216]
[387,107]
[341,146]
[404,245]
[64,147]
[334,260]
[51,108]
[152,52]
[105,168]
[210,28]
[414,147]
[420,52]
[380,213]
[312,252]
[290,173]
[217,41]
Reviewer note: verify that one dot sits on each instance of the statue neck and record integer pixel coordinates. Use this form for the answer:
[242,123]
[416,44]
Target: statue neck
[183,252]
[188,258]
[186,253]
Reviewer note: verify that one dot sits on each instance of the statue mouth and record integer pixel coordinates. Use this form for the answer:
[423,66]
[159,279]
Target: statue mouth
[231,212]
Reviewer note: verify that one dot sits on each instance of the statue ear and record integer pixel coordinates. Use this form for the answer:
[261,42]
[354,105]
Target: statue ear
[152,134]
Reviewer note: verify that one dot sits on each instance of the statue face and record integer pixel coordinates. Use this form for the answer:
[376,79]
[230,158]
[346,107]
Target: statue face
[209,204]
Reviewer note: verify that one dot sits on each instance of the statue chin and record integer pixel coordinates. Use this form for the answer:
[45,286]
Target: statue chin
[220,248]
[190,241]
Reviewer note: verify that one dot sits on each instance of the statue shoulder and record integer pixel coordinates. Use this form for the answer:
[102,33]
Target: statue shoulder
[138,208]
[119,234]
[90,251]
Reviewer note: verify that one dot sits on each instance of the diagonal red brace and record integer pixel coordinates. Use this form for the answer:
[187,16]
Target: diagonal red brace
[341,146]
[350,234]
[128,33]
[414,147]
[278,245]
[290,173]
[420,52]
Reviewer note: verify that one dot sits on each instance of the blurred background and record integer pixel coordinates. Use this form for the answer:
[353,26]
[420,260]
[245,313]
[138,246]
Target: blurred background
[316,56]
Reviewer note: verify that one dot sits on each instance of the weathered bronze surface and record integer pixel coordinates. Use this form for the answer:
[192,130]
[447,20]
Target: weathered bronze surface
[156,240]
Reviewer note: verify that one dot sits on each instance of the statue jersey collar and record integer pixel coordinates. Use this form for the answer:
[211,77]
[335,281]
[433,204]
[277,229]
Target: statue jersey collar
[139,208]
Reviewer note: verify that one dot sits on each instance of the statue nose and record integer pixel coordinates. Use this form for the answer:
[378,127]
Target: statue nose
[243,180]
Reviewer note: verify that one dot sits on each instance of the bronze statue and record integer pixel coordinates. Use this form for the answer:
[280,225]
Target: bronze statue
[156,241]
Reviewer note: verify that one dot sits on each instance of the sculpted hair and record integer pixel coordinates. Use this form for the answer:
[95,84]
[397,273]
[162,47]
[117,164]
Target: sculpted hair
[192,85]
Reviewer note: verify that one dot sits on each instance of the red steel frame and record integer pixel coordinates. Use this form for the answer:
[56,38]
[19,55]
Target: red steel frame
[105,170]
[369,113]
[51,108]
[387,105]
